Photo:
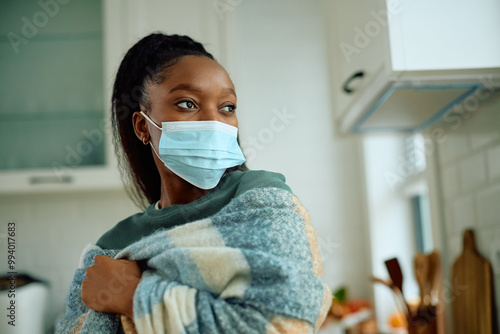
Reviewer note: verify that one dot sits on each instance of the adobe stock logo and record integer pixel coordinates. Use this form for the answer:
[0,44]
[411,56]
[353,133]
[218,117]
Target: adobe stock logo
[372,28]
[30,28]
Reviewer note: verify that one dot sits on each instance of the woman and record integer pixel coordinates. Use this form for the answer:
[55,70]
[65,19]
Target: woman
[219,248]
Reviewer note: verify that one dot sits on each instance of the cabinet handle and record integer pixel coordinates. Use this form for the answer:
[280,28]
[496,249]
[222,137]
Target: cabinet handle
[50,179]
[346,88]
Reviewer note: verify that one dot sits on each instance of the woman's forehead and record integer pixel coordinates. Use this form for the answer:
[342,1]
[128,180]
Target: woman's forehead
[198,71]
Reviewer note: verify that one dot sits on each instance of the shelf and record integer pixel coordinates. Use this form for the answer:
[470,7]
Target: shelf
[11,117]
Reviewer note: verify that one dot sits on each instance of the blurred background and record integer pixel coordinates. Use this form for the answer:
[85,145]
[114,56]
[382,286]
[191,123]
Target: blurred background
[384,116]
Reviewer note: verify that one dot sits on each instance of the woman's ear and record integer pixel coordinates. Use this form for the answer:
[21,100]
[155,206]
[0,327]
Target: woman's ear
[140,127]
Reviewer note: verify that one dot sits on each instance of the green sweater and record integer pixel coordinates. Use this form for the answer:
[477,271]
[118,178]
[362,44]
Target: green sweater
[146,223]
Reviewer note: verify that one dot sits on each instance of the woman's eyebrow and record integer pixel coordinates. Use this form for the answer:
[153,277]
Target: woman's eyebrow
[186,87]
[229,91]
[196,89]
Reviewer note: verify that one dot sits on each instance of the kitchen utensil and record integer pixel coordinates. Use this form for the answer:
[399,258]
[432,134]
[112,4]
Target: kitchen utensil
[422,267]
[397,294]
[425,272]
[437,294]
[396,275]
[472,294]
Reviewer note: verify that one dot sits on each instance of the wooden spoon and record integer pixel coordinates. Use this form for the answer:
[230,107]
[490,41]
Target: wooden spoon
[396,275]
[423,273]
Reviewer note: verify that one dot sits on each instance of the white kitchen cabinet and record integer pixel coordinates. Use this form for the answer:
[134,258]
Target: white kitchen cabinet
[56,90]
[362,28]
[444,34]
[358,42]
[437,52]
[53,116]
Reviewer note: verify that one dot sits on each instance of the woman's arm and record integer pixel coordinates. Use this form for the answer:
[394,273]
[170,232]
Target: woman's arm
[111,284]
[162,306]
[75,309]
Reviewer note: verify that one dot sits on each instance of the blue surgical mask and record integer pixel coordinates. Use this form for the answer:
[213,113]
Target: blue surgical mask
[198,151]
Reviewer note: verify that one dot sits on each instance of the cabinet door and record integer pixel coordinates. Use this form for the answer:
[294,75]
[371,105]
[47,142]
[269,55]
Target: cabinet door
[358,42]
[51,91]
[445,34]
[53,118]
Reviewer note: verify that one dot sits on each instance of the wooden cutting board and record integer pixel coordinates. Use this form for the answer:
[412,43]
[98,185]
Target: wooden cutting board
[473,308]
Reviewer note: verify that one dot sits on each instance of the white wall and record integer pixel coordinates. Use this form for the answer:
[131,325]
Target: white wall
[390,220]
[468,168]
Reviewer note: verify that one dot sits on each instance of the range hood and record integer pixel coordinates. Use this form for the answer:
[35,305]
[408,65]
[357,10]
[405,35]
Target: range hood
[413,101]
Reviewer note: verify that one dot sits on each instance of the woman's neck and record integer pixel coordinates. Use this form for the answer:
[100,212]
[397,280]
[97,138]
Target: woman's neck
[175,190]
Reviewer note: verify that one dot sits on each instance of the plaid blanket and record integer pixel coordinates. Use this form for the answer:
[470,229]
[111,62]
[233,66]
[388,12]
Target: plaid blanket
[253,267]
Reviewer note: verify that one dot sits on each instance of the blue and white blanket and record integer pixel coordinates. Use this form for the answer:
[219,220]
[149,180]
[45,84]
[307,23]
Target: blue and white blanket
[254,267]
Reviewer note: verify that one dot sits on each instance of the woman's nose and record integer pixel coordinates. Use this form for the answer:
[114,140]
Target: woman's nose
[209,113]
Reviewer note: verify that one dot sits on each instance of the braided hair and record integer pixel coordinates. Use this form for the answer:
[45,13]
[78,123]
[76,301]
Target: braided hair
[146,63]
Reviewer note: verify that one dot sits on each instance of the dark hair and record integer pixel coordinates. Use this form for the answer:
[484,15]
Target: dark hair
[147,62]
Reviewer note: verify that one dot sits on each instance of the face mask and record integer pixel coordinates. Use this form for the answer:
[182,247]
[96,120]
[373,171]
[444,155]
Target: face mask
[198,151]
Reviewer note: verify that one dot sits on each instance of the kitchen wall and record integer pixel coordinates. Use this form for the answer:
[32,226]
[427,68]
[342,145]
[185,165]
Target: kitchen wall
[279,65]
[390,216]
[468,167]
[52,230]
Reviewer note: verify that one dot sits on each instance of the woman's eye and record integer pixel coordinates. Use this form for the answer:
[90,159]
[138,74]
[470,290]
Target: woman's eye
[229,108]
[186,104]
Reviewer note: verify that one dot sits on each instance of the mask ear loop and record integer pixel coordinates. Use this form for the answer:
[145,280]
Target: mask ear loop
[149,142]
[149,119]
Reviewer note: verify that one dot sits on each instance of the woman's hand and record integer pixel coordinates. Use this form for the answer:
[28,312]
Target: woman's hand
[110,285]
